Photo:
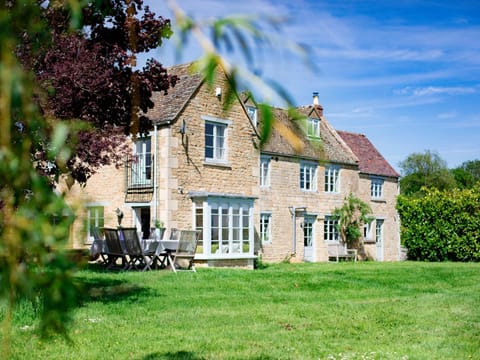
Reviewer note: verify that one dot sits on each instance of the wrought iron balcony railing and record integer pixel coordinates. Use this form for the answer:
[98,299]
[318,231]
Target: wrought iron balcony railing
[139,172]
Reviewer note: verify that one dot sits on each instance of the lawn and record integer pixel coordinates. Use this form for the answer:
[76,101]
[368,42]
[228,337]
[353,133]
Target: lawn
[366,310]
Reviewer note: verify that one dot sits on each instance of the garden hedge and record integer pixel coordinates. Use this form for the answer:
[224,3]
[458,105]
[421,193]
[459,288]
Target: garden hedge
[442,225]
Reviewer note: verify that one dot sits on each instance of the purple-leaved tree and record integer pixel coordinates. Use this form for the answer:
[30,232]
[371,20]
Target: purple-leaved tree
[91,75]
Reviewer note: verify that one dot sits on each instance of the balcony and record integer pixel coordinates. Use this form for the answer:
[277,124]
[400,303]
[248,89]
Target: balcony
[139,171]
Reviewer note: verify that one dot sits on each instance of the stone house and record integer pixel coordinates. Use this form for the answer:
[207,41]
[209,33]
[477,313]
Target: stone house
[201,167]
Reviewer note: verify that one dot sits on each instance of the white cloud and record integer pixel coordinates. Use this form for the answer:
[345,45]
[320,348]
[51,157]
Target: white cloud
[381,54]
[437,90]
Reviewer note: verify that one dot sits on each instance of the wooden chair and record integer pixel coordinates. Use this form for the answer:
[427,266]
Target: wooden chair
[185,253]
[138,258]
[338,251]
[115,250]
[99,250]
[162,256]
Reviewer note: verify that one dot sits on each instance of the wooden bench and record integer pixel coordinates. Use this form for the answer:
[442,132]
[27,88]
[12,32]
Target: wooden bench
[338,251]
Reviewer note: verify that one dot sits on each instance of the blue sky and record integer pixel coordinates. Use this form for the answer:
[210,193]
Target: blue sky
[404,73]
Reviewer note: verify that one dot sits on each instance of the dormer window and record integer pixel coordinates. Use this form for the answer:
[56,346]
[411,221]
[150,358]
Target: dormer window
[252,114]
[313,127]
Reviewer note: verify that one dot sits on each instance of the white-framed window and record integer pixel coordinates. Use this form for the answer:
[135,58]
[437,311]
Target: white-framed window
[376,188]
[199,227]
[367,231]
[266,227]
[330,231]
[95,220]
[308,230]
[313,127]
[379,230]
[226,225]
[215,141]
[142,161]
[252,114]
[308,176]
[332,179]
[264,171]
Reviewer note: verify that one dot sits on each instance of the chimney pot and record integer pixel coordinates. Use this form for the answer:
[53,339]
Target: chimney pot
[315,98]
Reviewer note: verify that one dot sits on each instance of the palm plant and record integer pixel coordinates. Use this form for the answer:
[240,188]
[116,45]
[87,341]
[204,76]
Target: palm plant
[352,216]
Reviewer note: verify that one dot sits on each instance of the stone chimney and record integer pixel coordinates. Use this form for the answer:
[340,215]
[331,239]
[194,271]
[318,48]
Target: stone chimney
[316,104]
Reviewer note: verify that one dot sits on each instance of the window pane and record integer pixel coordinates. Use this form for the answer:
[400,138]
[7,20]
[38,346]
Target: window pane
[209,141]
[225,218]
[95,219]
[214,218]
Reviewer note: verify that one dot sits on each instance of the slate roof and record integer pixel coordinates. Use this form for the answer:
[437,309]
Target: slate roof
[370,160]
[330,147]
[167,107]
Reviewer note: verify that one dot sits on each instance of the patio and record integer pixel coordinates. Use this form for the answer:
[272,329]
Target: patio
[123,249]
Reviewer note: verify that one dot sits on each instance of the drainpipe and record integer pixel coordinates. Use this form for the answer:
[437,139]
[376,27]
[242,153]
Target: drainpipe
[155,170]
[294,233]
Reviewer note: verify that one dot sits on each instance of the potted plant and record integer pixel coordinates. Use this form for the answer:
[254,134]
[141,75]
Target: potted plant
[159,229]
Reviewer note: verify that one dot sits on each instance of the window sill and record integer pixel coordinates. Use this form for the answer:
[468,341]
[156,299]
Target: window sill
[369,242]
[379,200]
[217,163]
[224,256]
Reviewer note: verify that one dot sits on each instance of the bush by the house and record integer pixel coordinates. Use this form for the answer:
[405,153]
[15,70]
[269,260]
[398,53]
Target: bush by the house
[442,225]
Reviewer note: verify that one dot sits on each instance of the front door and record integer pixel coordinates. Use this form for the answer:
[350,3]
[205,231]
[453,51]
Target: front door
[308,238]
[142,221]
[379,239]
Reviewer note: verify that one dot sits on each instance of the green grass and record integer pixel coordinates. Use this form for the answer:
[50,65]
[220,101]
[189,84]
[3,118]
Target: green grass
[287,311]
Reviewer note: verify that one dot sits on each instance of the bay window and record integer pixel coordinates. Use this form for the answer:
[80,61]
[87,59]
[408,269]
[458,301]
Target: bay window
[226,226]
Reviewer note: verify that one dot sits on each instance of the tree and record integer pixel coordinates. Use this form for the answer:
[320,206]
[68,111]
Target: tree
[467,174]
[351,217]
[34,220]
[53,74]
[63,85]
[426,169]
[90,74]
